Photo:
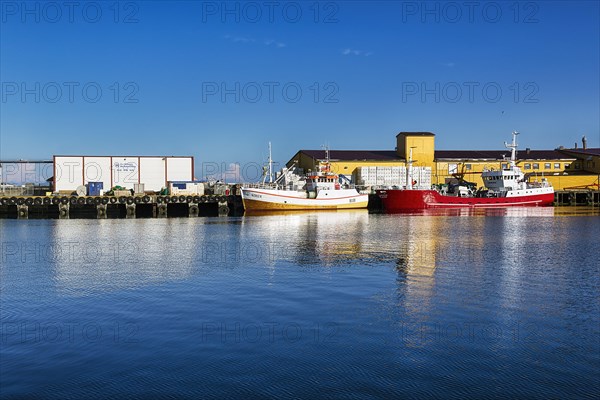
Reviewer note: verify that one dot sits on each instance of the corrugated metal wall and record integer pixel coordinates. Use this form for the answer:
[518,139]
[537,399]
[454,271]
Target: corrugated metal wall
[154,172]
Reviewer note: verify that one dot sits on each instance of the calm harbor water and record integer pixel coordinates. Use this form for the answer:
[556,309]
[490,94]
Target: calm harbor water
[320,305]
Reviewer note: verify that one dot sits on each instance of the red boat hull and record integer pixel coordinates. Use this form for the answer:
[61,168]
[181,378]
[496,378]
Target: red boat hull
[403,200]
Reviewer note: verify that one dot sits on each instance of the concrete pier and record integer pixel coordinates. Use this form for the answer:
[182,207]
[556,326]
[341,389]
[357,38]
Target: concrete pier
[129,207]
[589,198]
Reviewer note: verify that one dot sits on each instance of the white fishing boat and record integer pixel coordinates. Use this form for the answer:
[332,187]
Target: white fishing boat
[320,190]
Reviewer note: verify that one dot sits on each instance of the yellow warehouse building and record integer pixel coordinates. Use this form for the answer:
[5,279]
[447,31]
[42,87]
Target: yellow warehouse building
[576,168]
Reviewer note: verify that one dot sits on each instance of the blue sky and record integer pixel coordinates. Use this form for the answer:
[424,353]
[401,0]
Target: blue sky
[365,71]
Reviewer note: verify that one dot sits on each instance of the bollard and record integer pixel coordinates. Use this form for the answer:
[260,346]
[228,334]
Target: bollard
[22,212]
[101,211]
[194,210]
[63,211]
[223,209]
[130,211]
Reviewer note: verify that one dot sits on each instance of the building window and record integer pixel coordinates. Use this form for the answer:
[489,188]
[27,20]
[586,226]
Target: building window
[556,165]
[547,166]
[452,168]
[536,166]
[504,165]
[576,165]
[527,166]
[567,166]
[589,164]
[468,167]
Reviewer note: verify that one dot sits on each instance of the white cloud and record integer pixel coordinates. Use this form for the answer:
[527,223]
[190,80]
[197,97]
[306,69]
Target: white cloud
[244,39]
[275,43]
[239,39]
[354,52]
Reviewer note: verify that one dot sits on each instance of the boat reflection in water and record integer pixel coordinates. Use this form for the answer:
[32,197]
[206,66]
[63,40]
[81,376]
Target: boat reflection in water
[484,212]
[504,212]
[323,238]
[107,255]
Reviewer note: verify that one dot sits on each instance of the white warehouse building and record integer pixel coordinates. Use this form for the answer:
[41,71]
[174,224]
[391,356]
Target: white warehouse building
[154,172]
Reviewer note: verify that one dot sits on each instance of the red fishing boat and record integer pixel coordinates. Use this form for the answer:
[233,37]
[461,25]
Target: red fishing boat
[506,187]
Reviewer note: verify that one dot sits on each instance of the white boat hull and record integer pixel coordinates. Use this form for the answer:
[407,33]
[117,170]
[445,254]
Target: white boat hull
[272,199]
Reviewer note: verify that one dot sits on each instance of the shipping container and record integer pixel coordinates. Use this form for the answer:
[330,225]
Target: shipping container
[94,188]
[186,188]
[139,188]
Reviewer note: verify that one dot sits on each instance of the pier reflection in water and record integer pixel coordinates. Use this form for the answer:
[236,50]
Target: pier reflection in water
[332,304]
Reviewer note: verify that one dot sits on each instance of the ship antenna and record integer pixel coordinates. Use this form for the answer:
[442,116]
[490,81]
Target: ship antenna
[270,165]
[513,148]
[268,172]
[326,148]
[327,162]
[409,170]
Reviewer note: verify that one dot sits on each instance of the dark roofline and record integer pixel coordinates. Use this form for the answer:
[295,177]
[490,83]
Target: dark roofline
[439,155]
[351,155]
[497,155]
[593,151]
[415,134]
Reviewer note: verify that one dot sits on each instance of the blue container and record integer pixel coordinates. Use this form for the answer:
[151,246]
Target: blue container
[94,188]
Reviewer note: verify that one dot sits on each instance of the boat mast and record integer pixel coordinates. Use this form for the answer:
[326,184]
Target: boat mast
[268,172]
[326,148]
[270,165]
[409,171]
[513,149]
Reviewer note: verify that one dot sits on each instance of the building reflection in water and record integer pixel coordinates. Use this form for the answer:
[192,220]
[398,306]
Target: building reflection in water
[91,256]
[417,256]
[104,255]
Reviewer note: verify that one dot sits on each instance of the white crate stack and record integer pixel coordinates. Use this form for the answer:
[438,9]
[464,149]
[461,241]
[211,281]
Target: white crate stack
[423,177]
[391,176]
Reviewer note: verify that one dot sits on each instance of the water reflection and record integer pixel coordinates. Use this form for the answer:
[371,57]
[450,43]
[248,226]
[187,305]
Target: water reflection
[499,212]
[500,299]
[92,256]
[310,238]
[416,265]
